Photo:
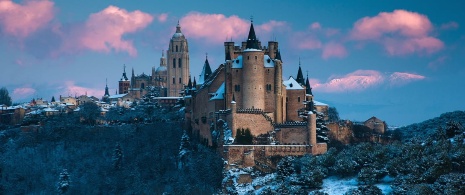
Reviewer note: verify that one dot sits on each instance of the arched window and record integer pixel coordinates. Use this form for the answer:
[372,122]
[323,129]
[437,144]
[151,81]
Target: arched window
[174,63]
[176,48]
[179,62]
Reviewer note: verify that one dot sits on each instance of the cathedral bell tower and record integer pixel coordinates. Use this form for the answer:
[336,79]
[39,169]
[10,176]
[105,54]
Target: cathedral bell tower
[178,63]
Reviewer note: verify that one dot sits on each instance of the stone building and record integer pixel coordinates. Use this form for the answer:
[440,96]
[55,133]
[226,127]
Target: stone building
[247,91]
[169,79]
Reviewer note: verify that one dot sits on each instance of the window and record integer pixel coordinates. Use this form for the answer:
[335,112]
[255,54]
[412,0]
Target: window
[179,79]
[248,57]
[174,81]
[268,87]
[174,63]
[142,85]
[179,63]
[255,58]
[298,99]
[176,48]
[237,88]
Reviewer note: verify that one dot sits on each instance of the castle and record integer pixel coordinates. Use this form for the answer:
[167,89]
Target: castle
[247,92]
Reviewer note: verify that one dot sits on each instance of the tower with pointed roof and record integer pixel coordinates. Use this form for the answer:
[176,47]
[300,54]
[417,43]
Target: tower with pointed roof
[300,77]
[206,72]
[178,63]
[124,83]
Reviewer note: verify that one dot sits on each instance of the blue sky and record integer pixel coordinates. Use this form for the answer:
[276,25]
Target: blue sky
[402,61]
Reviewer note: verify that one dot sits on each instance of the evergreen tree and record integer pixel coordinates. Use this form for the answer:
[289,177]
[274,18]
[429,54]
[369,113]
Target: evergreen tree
[5,97]
[64,182]
[53,99]
[117,157]
[321,128]
[184,149]
[333,115]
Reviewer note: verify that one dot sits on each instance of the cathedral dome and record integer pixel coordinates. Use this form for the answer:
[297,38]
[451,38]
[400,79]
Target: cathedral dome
[178,33]
[161,69]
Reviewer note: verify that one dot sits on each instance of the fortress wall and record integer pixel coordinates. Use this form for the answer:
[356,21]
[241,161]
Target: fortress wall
[255,122]
[294,135]
[249,155]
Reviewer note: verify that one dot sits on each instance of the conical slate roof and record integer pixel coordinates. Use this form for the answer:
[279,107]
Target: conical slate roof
[252,42]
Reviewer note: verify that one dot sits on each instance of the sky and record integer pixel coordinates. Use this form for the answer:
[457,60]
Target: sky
[401,61]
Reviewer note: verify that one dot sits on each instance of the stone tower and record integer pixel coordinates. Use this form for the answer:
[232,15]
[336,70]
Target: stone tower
[178,63]
[124,83]
[253,95]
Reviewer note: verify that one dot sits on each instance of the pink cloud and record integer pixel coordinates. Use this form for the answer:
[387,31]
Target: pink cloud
[401,32]
[333,50]
[214,27]
[400,78]
[23,92]
[104,31]
[356,81]
[305,40]
[315,26]
[22,20]
[438,62]
[449,25]
[162,17]
[219,28]
[71,88]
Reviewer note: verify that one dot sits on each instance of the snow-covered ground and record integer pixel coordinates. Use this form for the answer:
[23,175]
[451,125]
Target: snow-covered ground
[331,185]
[335,185]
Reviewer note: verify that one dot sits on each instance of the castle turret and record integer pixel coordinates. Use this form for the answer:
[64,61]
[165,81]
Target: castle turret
[253,95]
[308,89]
[311,127]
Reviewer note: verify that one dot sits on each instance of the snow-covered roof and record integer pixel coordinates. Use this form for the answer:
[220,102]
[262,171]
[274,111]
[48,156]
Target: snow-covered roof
[292,84]
[117,96]
[268,62]
[50,110]
[69,104]
[250,49]
[317,103]
[219,94]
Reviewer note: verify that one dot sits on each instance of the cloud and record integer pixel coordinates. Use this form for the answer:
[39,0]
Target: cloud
[71,88]
[214,27]
[304,40]
[356,81]
[438,62]
[22,20]
[400,32]
[449,26]
[401,78]
[333,50]
[162,17]
[104,31]
[23,92]
[315,26]
[361,80]
[218,28]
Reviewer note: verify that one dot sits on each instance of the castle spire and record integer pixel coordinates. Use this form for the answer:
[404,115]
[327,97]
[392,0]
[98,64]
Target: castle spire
[189,84]
[308,89]
[252,42]
[195,83]
[106,88]
[300,76]
[124,78]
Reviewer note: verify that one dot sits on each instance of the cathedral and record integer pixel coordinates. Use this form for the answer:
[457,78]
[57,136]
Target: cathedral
[169,79]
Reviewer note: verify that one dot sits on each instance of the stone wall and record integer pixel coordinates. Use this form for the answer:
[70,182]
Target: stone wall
[249,155]
[293,135]
[256,122]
